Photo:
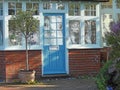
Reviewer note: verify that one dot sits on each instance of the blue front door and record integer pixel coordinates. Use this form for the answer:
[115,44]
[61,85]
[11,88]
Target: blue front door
[54,44]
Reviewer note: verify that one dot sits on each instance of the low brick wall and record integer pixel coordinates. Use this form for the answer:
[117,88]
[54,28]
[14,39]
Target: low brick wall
[85,61]
[15,61]
[81,62]
[2,65]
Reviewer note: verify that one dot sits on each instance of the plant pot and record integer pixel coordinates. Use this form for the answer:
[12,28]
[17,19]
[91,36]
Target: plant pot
[26,76]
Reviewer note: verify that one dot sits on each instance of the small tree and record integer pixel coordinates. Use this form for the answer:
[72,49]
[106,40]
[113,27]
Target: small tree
[26,24]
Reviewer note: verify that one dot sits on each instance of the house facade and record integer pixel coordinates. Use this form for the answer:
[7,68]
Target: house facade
[69,40]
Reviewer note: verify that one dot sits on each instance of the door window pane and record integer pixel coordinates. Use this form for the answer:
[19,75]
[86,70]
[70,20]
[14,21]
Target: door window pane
[74,31]
[59,26]
[1,32]
[47,23]
[53,26]
[90,32]
[59,18]
[59,34]
[60,41]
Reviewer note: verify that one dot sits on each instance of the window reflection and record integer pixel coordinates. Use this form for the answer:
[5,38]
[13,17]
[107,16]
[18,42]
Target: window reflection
[90,32]
[74,31]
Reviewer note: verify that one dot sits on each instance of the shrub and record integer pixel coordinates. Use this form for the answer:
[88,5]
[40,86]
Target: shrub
[102,77]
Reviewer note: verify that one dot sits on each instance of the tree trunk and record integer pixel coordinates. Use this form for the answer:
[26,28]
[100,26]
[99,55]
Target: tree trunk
[27,62]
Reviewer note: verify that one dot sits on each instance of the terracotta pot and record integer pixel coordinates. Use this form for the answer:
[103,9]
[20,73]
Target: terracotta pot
[26,76]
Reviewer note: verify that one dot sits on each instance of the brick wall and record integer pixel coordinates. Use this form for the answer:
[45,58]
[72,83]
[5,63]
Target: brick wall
[2,65]
[84,61]
[15,60]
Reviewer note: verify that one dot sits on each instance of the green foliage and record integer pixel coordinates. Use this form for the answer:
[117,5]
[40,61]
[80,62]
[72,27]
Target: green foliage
[113,40]
[24,22]
[102,76]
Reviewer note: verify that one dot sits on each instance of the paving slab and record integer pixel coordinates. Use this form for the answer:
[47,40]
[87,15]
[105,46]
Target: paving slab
[55,84]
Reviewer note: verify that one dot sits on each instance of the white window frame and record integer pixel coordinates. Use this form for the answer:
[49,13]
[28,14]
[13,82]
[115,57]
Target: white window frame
[82,19]
[6,28]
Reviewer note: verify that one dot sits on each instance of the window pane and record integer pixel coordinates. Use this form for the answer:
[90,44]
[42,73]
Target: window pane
[118,3]
[60,6]
[106,4]
[33,6]
[118,16]
[34,39]
[14,7]
[74,31]
[1,32]
[19,5]
[29,6]
[74,9]
[15,38]
[11,5]
[90,32]
[47,5]
[1,9]
[90,10]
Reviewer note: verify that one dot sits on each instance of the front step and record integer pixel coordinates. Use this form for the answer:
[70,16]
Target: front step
[56,75]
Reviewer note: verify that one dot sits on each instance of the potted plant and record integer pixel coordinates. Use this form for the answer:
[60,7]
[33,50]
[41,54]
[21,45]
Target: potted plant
[24,23]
